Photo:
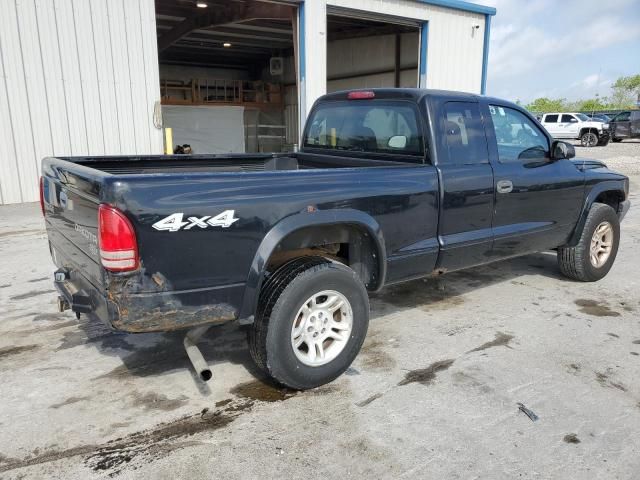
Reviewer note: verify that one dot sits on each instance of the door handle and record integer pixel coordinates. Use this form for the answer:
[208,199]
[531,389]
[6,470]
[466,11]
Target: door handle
[504,186]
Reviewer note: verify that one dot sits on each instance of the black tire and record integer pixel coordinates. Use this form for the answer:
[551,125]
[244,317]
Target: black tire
[604,142]
[282,296]
[616,140]
[575,262]
[589,139]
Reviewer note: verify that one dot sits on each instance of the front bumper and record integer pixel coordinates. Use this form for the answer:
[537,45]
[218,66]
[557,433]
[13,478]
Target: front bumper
[623,209]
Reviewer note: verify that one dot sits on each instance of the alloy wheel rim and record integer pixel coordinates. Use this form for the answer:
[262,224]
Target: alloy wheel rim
[601,244]
[322,327]
[589,140]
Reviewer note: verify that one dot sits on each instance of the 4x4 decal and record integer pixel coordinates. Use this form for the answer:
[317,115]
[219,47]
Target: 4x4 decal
[175,222]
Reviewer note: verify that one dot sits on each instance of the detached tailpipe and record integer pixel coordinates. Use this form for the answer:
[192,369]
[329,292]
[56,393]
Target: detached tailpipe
[195,355]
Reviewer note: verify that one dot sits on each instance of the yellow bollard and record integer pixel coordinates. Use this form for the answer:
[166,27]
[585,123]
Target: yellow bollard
[168,141]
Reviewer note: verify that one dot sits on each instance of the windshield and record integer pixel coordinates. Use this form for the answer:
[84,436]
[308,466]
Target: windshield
[365,126]
[582,117]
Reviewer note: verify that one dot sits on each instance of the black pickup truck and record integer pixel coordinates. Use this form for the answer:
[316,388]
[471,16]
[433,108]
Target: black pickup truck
[389,185]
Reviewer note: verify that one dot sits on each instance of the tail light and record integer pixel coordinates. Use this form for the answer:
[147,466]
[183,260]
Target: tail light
[42,195]
[117,240]
[361,95]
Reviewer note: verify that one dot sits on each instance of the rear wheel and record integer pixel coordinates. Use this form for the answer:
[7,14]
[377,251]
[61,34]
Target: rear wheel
[593,256]
[589,139]
[312,320]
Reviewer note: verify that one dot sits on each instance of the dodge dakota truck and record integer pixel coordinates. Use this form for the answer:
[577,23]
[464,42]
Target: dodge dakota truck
[389,185]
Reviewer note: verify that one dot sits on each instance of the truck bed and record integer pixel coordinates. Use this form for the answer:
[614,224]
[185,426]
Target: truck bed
[135,165]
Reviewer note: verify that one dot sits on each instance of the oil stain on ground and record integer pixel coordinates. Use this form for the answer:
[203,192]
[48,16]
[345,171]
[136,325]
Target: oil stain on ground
[147,444]
[32,293]
[425,376]
[595,308]
[501,340]
[368,400]
[603,380]
[157,401]
[373,356]
[571,438]
[9,351]
[424,294]
[69,401]
[262,391]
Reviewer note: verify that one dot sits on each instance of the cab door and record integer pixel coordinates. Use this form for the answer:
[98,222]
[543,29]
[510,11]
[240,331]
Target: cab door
[622,123]
[551,123]
[537,200]
[570,126]
[466,184]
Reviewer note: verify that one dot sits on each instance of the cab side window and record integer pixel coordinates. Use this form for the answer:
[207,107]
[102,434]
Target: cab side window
[568,119]
[551,119]
[466,141]
[622,117]
[519,139]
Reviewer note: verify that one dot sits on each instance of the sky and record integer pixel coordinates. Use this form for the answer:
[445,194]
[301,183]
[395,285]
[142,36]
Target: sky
[569,49]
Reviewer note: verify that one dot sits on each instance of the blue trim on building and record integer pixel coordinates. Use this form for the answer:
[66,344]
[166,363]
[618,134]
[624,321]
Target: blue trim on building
[302,70]
[301,44]
[485,54]
[424,45]
[460,5]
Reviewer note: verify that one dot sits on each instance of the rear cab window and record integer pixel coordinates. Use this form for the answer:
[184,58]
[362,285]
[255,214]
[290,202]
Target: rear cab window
[371,126]
[466,140]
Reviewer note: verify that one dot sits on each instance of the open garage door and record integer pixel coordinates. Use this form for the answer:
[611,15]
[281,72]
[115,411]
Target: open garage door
[227,74]
[367,51]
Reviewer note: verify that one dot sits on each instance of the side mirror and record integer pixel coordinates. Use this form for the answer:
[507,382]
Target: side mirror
[397,141]
[562,150]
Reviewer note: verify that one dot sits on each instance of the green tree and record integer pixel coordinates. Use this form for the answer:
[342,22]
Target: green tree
[625,91]
[546,105]
[590,105]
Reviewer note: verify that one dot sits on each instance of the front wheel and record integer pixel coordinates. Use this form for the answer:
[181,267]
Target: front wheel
[593,256]
[312,320]
[589,139]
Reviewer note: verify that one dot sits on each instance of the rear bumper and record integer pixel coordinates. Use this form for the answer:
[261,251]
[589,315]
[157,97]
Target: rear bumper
[151,312]
[172,310]
[129,303]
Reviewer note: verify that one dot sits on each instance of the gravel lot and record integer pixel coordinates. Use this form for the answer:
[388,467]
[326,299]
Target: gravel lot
[623,156]
[434,393]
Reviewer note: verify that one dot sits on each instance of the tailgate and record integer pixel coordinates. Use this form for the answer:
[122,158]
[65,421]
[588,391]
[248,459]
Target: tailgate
[70,196]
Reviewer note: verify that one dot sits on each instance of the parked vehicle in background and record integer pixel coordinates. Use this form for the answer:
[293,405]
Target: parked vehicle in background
[390,185]
[576,126]
[599,117]
[625,125]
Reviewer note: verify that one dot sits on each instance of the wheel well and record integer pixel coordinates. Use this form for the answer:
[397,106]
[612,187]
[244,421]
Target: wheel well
[613,198]
[348,244]
[587,130]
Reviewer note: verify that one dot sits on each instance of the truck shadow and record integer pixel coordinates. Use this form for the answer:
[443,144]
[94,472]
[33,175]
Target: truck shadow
[156,354]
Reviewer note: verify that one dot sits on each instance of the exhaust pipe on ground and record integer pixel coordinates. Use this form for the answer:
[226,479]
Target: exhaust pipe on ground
[195,355]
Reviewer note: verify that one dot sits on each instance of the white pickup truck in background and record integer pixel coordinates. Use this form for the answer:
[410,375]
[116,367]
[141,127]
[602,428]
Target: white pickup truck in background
[576,126]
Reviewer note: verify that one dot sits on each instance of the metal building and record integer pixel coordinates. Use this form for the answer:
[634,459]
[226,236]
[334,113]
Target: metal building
[98,77]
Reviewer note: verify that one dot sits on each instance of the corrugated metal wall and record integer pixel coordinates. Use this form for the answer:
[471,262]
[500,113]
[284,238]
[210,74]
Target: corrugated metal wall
[455,50]
[77,77]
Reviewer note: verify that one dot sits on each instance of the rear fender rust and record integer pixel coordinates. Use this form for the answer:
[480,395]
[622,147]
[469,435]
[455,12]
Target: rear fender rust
[159,310]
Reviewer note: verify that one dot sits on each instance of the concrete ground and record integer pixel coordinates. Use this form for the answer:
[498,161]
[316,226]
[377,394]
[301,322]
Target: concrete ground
[435,392]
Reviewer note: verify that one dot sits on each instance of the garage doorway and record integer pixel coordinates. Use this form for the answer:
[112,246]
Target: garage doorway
[369,52]
[228,78]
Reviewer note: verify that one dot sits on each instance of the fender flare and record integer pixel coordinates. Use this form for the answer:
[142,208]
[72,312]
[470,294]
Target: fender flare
[296,222]
[607,186]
